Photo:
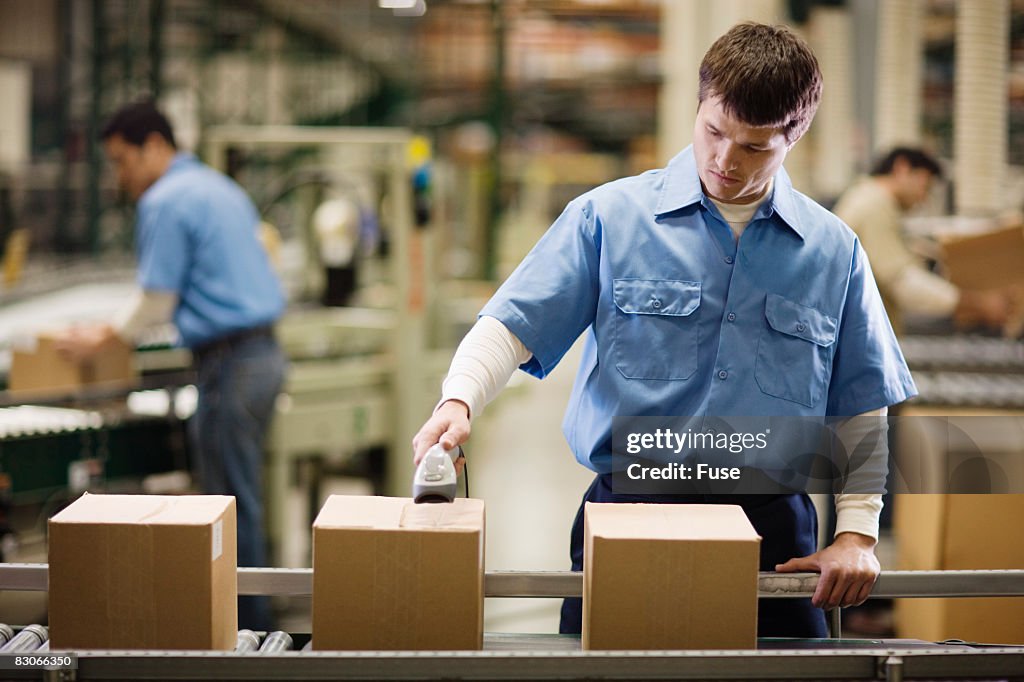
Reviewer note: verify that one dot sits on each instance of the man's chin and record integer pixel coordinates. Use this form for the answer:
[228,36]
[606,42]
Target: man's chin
[725,195]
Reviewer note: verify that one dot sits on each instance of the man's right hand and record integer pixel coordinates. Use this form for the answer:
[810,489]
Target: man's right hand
[449,426]
[989,308]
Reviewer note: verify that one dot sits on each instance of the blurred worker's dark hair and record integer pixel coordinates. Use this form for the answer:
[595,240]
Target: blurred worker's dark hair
[135,122]
[917,158]
[765,75]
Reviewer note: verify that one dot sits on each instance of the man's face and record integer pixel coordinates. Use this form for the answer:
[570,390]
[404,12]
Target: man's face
[913,187]
[735,160]
[134,164]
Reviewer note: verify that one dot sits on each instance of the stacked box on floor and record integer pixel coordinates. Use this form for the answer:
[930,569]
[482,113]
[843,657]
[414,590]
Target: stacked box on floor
[144,572]
[389,574]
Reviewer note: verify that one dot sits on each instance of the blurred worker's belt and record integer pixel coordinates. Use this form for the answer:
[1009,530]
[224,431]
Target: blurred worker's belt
[232,340]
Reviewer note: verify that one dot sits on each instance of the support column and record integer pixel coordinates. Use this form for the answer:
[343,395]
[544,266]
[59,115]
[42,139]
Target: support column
[898,92]
[980,109]
[684,40]
[687,31]
[833,158]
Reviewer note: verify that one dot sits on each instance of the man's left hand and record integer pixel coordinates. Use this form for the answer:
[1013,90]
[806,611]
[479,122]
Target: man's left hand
[848,570]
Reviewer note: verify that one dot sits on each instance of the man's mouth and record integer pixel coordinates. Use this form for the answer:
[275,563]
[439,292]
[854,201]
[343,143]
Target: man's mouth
[725,179]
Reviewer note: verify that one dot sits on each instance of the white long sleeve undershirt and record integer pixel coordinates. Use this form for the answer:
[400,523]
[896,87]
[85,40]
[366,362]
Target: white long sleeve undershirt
[483,364]
[146,309]
[490,353]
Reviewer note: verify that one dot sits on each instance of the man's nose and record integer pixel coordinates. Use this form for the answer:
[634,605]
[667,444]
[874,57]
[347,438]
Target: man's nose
[726,157]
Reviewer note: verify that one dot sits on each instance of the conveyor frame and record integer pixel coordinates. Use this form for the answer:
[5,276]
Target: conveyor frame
[557,584]
[889,663]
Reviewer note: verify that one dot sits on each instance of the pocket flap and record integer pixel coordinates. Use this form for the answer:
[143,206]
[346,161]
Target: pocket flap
[799,320]
[656,296]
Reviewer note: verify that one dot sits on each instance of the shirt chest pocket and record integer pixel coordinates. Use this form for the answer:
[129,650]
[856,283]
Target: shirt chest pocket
[794,352]
[655,330]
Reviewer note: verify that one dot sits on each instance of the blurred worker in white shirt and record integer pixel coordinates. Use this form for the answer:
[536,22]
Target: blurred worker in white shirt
[875,207]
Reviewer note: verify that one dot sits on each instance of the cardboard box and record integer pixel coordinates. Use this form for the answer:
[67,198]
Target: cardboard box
[989,260]
[144,572]
[668,576]
[37,369]
[389,574]
[958,532]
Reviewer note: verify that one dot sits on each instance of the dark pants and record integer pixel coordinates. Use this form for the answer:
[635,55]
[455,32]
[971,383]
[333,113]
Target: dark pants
[239,379]
[787,525]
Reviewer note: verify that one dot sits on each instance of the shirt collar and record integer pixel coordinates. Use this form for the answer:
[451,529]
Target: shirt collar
[682,188]
[181,160]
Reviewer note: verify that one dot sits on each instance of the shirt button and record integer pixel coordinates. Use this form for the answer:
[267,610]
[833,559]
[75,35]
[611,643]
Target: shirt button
[656,303]
[728,259]
[801,327]
[722,374]
[731,317]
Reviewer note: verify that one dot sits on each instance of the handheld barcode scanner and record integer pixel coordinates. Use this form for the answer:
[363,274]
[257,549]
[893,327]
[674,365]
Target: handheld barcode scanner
[435,479]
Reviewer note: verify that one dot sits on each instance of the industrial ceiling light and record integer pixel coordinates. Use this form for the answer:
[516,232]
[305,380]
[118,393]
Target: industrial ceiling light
[417,9]
[404,8]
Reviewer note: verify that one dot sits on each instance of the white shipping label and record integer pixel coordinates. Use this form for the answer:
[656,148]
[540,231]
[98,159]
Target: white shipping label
[218,539]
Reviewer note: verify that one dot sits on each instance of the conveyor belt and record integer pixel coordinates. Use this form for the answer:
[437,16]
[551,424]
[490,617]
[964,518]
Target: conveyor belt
[969,389]
[557,657]
[553,657]
[966,371]
[40,445]
[963,353]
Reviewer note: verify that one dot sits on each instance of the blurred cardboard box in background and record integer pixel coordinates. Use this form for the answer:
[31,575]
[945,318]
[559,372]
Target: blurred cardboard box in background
[988,260]
[38,370]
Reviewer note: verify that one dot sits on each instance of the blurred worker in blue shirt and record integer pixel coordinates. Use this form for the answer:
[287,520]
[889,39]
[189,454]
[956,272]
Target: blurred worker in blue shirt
[200,264]
[710,287]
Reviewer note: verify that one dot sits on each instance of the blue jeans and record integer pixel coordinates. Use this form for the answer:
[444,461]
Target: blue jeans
[787,525]
[238,382]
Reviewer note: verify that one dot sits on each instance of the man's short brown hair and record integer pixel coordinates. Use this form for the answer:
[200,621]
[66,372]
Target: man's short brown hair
[765,75]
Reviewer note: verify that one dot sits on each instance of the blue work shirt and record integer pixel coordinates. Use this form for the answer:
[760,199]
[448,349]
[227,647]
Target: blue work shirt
[683,320]
[196,236]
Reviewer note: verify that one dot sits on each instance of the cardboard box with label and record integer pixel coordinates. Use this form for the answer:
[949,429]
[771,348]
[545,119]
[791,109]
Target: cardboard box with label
[37,369]
[389,574]
[669,576]
[144,572]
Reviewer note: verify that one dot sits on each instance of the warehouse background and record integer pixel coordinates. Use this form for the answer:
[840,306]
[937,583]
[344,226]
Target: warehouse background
[519,106]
